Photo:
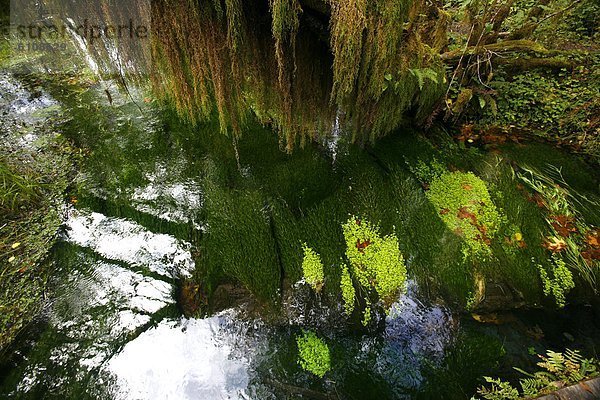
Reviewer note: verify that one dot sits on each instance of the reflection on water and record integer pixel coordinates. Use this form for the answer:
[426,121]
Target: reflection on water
[126,241]
[112,329]
[107,329]
[183,359]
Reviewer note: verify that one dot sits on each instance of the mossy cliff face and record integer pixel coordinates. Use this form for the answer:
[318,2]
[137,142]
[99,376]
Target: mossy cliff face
[371,71]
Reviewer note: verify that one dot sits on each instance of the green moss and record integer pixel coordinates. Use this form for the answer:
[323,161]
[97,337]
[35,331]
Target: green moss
[366,319]
[238,243]
[312,268]
[348,291]
[376,261]
[313,354]
[464,204]
[30,195]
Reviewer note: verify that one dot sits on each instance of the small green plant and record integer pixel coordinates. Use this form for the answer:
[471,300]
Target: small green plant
[313,354]
[376,261]
[464,204]
[366,314]
[312,268]
[427,172]
[499,390]
[557,281]
[348,292]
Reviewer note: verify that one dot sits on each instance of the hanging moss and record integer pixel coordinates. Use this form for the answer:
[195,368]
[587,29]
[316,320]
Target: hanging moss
[218,58]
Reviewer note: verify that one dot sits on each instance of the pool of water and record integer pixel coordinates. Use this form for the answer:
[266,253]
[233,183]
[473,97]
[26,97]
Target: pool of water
[157,203]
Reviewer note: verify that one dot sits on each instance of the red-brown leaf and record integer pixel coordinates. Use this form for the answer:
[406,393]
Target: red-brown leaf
[361,246]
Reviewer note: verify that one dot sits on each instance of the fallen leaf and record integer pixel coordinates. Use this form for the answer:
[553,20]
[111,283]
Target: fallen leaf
[361,246]
[467,186]
[563,225]
[591,254]
[464,213]
[593,238]
[11,259]
[15,245]
[444,211]
[555,244]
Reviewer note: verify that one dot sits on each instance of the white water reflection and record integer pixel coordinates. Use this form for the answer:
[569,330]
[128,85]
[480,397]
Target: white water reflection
[423,329]
[182,359]
[168,198]
[23,113]
[126,241]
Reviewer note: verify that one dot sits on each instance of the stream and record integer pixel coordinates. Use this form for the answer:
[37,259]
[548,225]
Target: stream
[138,215]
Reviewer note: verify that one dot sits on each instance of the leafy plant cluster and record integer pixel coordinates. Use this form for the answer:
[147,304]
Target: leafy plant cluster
[314,354]
[373,264]
[312,268]
[464,204]
[557,280]
[376,261]
[572,243]
[557,370]
[562,106]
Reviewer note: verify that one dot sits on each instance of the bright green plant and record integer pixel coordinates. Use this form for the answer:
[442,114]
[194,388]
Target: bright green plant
[427,172]
[313,354]
[464,204]
[366,314]
[312,268]
[376,261]
[557,281]
[348,292]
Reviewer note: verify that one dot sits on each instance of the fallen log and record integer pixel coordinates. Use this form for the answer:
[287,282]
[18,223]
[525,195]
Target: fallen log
[586,390]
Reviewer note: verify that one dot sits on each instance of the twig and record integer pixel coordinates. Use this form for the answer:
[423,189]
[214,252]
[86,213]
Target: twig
[573,4]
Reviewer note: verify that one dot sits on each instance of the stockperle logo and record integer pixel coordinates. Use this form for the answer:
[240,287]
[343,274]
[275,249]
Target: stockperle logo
[92,29]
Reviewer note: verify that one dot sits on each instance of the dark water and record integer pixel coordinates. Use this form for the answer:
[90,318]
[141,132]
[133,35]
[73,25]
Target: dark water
[157,201]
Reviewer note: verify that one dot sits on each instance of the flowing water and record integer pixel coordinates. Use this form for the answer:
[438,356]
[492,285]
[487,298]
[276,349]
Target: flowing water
[149,198]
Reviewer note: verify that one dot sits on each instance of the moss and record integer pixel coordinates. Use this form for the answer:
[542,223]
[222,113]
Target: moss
[238,242]
[313,354]
[348,291]
[376,261]
[232,65]
[464,204]
[312,268]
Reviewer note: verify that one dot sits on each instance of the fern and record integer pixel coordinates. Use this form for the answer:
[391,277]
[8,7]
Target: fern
[499,390]
[558,369]
[424,73]
[531,386]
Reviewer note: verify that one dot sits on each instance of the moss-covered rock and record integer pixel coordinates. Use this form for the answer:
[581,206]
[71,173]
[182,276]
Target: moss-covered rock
[464,204]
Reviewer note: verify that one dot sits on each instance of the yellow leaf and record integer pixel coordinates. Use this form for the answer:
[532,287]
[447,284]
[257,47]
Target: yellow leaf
[11,259]
[15,245]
